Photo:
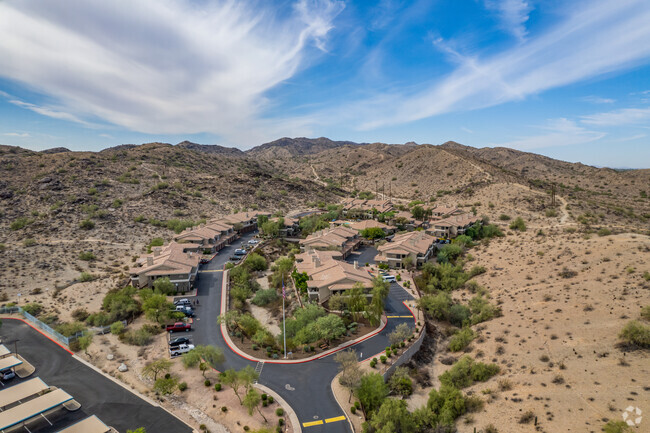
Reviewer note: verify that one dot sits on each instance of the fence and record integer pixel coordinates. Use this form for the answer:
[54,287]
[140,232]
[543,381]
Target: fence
[42,326]
[407,355]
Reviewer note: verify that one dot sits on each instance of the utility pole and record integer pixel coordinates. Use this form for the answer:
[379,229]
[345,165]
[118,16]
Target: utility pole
[553,194]
[376,190]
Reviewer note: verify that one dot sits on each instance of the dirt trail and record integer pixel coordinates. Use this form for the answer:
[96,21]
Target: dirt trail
[153,171]
[318,181]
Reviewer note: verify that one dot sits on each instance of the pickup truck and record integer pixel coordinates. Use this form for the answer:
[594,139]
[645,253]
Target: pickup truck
[188,311]
[179,326]
[179,350]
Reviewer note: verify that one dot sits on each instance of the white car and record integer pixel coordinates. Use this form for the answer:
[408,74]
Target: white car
[179,350]
[389,278]
[253,242]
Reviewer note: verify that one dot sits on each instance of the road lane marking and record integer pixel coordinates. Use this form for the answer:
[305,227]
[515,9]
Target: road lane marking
[211,270]
[399,317]
[338,418]
[312,423]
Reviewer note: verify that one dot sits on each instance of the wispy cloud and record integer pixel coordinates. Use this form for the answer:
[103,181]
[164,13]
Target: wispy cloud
[631,138]
[512,15]
[556,132]
[595,38]
[626,116]
[598,100]
[159,66]
[17,134]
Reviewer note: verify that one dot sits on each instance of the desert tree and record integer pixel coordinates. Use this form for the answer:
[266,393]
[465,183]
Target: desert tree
[350,372]
[252,401]
[154,368]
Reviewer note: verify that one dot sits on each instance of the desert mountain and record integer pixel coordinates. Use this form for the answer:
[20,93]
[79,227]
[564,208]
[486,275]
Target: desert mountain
[291,147]
[210,148]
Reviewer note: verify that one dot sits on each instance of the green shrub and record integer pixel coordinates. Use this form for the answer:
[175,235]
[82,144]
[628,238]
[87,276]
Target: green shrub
[87,256]
[87,224]
[604,232]
[86,277]
[353,410]
[504,217]
[117,328]
[461,339]
[140,219]
[20,223]
[550,213]
[182,386]
[466,371]
[139,337]
[264,297]
[279,411]
[68,329]
[518,224]
[383,359]
[207,382]
[29,242]
[636,333]
[217,387]
[616,427]
[645,313]
[34,308]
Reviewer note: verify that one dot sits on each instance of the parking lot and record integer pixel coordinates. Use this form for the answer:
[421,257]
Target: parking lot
[97,394]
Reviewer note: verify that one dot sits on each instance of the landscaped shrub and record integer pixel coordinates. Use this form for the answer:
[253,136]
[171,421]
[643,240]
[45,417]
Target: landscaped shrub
[207,382]
[279,411]
[182,386]
[34,308]
[217,387]
[68,329]
[264,297]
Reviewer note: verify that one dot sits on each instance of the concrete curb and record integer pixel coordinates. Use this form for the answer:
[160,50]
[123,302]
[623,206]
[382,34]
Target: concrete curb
[293,418]
[340,405]
[132,391]
[235,349]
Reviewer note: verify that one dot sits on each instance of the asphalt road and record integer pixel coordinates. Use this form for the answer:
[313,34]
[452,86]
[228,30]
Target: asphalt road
[305,386]
[114,405]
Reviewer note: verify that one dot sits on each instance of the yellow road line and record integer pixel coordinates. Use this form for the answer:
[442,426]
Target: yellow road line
[309,424]
[338,418]
[214,270]
[398,317]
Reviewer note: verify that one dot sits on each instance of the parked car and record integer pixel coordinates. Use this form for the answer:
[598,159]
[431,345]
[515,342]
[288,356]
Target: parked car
[240,252]
[7,374]
[180,349]
[188,311]
[178,327]
[204,261]
[183,301]
[235,258]
[389,278]
[253,242]
[178,341]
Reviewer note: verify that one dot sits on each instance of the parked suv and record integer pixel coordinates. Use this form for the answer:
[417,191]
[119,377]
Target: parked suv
[240,252]
[389,278]
[183,301]
[188,311]
[180,349]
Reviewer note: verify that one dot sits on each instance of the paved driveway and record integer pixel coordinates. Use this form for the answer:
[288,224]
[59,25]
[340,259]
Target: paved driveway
[98,395]
[363,255]
[305,386]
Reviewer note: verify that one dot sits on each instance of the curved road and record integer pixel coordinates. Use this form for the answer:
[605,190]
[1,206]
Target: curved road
[305,386]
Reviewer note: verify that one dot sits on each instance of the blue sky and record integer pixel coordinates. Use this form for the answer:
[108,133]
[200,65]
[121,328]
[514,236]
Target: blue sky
[570,80]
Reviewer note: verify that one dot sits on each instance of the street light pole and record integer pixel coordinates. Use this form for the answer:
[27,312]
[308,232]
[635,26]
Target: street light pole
[284,321]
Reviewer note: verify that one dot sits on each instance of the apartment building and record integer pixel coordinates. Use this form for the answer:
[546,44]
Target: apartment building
[177,261]
[418,245]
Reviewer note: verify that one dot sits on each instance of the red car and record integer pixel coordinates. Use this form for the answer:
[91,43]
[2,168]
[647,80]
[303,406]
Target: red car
[179,326]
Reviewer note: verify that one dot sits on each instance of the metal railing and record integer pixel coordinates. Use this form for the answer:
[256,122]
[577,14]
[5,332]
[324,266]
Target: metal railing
[41,325]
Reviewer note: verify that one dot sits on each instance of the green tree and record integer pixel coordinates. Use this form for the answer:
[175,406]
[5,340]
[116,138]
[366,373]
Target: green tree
[255,262]
[350,372]
[157,308]
[252,401]
[417,212]
[392,417]
[401,333]
[164,287]
[165,385]
[372,392]
[210,355]
[138,430]
[154,368]
[238,379]
[445,405]
[373,233]
[408,263]
[400,383]
[271,229]
[357,301]
[85,341]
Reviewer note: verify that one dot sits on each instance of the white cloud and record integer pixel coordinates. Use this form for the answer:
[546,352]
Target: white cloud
[626,116]
[512,14]
[598,37]
[631,138]
[159,66]
[556,132]
[598,100]
[17,134]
